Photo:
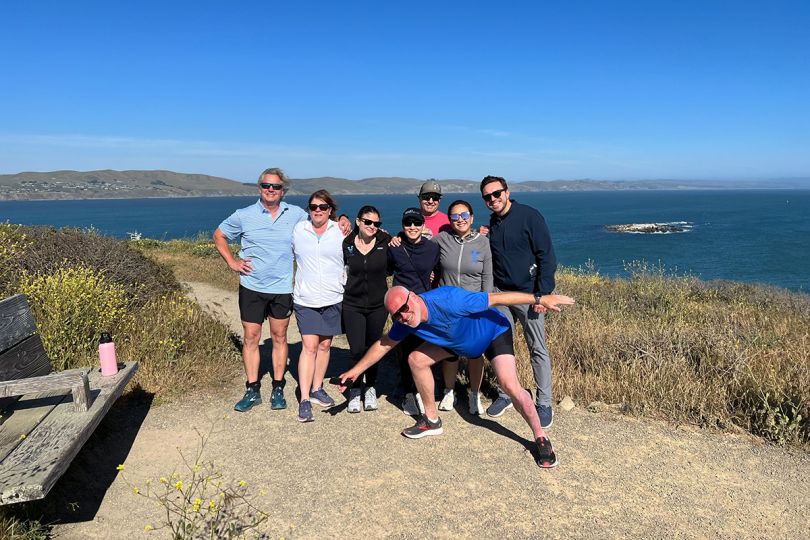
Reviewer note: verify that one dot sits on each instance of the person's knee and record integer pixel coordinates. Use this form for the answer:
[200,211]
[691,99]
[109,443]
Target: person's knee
[324,346]
[419,360]
[251,337]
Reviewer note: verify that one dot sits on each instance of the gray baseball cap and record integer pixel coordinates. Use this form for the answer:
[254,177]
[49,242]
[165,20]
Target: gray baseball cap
[431,186]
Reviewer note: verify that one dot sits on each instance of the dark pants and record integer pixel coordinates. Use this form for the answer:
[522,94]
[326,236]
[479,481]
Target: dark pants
[363,328]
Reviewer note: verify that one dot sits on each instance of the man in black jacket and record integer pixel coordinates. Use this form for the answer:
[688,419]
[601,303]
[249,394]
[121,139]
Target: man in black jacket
[522,260]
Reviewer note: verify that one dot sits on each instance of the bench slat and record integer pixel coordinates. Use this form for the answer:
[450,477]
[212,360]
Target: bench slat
[16,321]
[31,469]
[28,412]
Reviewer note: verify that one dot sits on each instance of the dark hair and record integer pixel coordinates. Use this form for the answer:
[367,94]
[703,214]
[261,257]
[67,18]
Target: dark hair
[324,195]
[367,209]
[465,203]
[490,179]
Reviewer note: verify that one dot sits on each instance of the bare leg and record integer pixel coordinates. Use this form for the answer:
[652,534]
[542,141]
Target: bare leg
[252,333]
[306,363]
[505,370]
[475,367]
[420,361]
[321,360]
[278,330]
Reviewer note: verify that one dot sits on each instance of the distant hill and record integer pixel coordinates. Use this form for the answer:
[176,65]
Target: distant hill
[139,184]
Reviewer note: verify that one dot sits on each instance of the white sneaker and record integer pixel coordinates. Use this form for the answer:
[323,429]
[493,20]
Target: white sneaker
[475,403]
[448,400]
[355,405]
[371,399]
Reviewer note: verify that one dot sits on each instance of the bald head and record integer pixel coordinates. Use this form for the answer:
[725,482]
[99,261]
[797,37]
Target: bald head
[395,298]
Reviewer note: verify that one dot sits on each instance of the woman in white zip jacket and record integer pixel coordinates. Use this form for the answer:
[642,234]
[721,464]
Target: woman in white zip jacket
[317,296]
[466,262]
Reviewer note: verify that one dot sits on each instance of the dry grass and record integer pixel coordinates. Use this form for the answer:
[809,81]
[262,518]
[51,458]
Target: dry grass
[713,354]
[191,260]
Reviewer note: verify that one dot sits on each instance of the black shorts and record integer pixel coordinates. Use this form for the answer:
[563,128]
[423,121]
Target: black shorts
[255,307]
[502,344]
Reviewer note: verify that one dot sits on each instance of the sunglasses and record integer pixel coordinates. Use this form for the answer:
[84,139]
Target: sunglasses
[430,197]
[276,187]
[322,207]
[455,217]
[493,195]
[412,223]
[369,222]
[404,307]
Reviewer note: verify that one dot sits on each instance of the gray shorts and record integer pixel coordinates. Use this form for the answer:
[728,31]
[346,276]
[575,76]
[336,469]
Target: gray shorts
[322,321]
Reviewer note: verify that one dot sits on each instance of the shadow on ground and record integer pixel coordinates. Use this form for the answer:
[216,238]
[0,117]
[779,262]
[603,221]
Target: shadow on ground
[76,497]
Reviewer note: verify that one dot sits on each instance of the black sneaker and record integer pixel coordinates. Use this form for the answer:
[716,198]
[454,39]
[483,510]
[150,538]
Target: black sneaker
[546,457]
[423,428]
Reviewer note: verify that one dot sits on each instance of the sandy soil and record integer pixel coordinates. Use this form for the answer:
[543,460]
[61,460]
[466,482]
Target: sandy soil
[355,475]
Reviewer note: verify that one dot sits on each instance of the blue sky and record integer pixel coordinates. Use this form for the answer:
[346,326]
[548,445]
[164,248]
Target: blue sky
[447,89]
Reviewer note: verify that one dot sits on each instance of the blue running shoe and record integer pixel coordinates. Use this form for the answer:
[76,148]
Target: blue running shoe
[252,397]
[546,415]
[277,400]
[499,406]
[305,411]
[320,397]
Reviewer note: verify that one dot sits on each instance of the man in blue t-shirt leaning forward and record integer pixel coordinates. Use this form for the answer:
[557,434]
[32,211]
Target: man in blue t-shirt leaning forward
[457,322]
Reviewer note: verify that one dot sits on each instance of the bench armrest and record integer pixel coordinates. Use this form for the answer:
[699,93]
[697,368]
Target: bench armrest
[74,380]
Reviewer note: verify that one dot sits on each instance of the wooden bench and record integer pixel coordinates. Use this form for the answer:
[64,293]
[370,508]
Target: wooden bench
[46,417]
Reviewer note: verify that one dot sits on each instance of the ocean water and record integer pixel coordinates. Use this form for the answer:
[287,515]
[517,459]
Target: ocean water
[760,236]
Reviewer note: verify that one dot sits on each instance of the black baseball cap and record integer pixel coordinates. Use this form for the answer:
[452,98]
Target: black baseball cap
[413,214]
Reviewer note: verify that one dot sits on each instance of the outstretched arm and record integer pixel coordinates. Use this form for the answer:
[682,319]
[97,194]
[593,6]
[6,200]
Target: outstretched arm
[374,354]
[548,301]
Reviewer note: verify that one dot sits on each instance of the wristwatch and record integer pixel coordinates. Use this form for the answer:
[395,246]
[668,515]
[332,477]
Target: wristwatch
[537,297]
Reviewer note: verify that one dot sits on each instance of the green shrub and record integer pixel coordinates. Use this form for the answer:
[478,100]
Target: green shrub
[72,305]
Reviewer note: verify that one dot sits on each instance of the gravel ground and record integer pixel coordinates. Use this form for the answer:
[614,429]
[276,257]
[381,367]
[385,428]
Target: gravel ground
[355,475]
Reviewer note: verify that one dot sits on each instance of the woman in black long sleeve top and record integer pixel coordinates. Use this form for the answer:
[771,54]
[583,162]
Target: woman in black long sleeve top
[365,254]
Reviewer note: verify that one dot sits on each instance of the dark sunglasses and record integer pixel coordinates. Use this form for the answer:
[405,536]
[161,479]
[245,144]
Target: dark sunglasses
[412,223]
[455,217]
[369,222]
[323,207]
[430,197]
[276,187]
[494,195]
[404,307]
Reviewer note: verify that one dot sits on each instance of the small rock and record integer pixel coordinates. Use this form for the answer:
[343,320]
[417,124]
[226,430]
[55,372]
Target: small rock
[567,404]
[596,406]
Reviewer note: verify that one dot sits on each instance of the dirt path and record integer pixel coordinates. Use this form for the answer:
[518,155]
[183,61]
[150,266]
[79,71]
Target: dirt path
[355,475]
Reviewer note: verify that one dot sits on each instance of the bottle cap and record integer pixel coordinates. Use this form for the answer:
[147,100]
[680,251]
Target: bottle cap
[105,338]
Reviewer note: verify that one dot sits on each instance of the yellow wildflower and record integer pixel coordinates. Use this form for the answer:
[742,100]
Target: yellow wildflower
[119,468]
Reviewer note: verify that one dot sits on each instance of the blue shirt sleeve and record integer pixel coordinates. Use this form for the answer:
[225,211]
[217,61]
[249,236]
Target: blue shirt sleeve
[232,226]
[398,331]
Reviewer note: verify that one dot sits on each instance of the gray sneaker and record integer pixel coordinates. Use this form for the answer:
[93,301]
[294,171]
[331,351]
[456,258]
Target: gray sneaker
[499,406]
[474,399]
[448,400]
[305,411]
[355,405]
[546,414]
[320,397]
[371,399]
[412,405]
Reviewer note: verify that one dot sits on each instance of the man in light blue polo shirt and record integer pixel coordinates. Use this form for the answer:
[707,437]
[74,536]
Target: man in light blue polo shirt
[265,266]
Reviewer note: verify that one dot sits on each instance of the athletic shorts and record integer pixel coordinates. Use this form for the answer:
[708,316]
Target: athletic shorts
[502,344]
[322,321]
[255,307]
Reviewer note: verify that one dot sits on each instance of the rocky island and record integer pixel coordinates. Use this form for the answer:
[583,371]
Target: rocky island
[651,228]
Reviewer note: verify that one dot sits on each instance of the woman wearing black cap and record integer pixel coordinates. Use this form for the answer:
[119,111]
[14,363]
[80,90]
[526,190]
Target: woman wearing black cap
[414,263]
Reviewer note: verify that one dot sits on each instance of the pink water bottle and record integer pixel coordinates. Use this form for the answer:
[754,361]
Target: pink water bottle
[106,353]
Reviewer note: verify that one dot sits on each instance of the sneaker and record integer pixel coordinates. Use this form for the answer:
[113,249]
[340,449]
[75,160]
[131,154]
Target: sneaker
[305,411]
[371,399]
[474,399]
[355,405]
[277,400]
[546,457]
[499,406]
[320,397]
[252,397]
[448,400]
[413,405]
[423,428]
[546,414]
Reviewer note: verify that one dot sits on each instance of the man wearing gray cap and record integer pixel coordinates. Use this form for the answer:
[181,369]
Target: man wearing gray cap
[435,221]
